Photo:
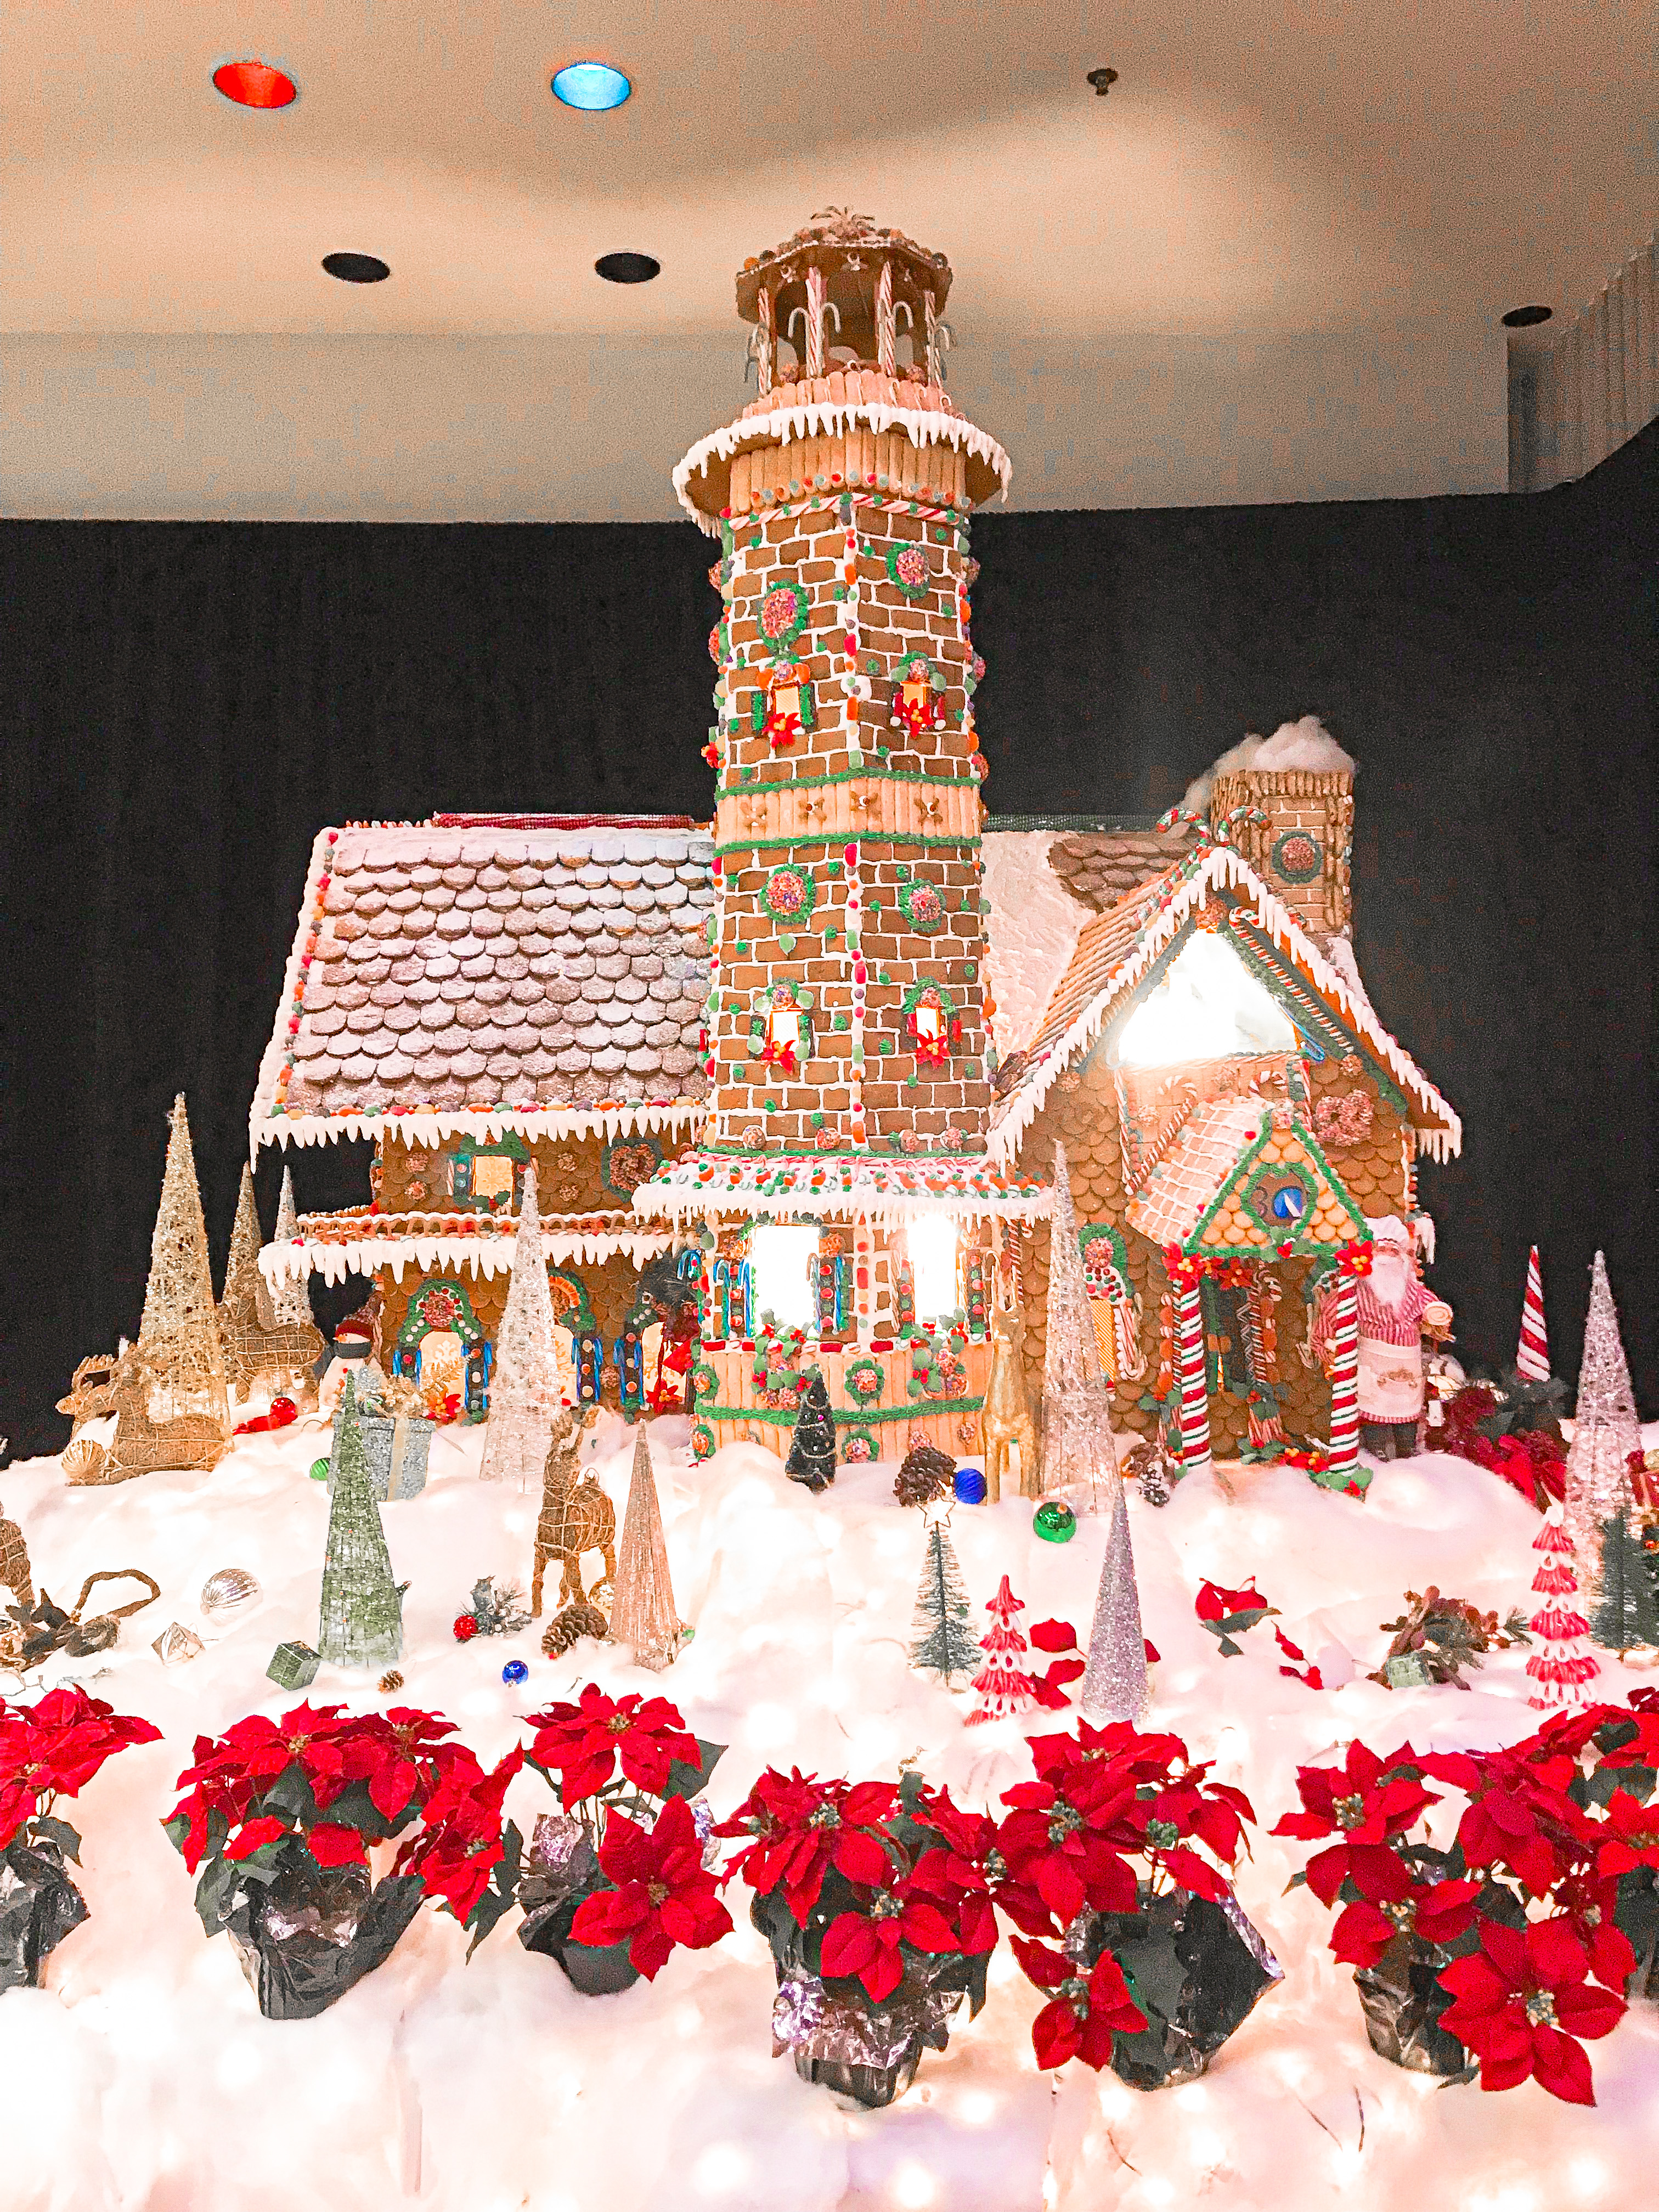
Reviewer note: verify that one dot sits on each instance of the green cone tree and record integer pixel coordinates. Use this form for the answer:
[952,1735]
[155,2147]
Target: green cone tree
[811,1457]
[944,1644]
[1625,1612]
[362,1622]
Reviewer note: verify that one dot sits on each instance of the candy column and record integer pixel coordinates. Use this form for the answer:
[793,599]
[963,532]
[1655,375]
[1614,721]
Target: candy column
[1195,1395]
[1345,1378]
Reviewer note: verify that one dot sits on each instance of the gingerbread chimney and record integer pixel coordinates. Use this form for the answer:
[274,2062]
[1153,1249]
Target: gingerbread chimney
[1301,842]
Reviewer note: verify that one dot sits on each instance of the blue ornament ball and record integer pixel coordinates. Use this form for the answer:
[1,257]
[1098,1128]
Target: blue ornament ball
[970,1486]
[515,1672]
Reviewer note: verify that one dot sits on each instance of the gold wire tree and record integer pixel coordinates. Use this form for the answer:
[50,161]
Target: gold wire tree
[252,1341]
[289,1304]
[642,1609]
[178,1336]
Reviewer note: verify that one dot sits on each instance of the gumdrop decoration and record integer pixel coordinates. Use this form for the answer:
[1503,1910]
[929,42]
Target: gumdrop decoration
[1532,1358]
[812,1460]
[1114,1680]
[944,1642]
[1563,1664]
[178,1336]
[642,1607]
[1079,1454]
[1605,1431]
[524,1390]
[1002,1685]
[361,1615]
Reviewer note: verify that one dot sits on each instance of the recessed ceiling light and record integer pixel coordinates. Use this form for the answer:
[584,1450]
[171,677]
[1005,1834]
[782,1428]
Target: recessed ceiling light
[627,268]
[255,84]
[1103,81]
[1522,318]
[593,85]
[356,268]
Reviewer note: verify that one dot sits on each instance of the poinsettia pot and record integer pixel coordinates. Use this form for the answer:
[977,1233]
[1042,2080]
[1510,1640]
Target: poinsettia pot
[562,1873]
[306,1938]
[38,1906]
[1402,2002]
[1196,1970]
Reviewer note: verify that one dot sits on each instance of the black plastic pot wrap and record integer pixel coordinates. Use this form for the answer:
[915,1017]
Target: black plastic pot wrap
[307,1938]
[1402,2002]
[38,1906]
[1195,1968]
[562,1869]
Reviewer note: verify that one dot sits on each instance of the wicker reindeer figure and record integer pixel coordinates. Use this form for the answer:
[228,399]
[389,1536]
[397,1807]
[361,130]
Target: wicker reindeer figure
[140,1444]
[15,1574]
[575,1517]
[1007,1416]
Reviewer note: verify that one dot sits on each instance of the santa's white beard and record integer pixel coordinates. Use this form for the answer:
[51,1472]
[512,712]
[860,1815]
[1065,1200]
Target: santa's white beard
[1390,1272]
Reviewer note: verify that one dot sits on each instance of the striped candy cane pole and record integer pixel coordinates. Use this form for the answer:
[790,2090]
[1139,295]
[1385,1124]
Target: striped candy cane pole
[1345,1378]
[1190,1367]
[1532,1358]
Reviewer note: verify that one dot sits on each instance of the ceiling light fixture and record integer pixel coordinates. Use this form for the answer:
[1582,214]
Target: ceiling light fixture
[1522,318]
[594,86]
[627,268]
[255,84]
[356,268]
[1103,81]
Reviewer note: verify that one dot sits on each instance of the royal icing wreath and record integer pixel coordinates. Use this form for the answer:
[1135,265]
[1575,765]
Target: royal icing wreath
[907,570]
[922,905]
[864,1380]
[789,893]
[702,1440]
[782,616]
[858,1447]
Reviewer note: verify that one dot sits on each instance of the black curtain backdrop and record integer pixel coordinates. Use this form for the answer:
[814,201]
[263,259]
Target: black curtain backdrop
[183,705]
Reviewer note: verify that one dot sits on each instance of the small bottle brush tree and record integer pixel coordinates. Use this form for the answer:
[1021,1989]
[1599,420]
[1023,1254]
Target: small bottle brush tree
[944,1640]
[642,1610]
[361,1621]
[812,1458]
[1604,1430]
[524,1392]
[1561,1665]
[1624,1613]
[1114,1680]
[1002,1685]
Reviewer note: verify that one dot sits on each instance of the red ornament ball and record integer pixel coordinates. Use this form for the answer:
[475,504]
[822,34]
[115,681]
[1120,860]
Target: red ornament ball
[466,1627]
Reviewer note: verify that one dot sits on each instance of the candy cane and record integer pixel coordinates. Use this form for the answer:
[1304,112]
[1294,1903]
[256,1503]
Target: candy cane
[1344,1377]
[1195,1393]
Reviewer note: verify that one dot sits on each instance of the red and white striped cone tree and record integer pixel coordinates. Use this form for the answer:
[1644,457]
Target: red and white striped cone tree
[1532,1358]
[1002,1685]
[1564,1662]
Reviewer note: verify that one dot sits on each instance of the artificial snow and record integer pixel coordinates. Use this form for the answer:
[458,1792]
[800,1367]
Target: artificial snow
[142,2076]
[1031,934]
[1305,745]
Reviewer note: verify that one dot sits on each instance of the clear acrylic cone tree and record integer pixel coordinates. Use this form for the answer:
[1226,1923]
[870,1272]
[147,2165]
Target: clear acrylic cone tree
[1564,1661]
[943,1641]
[1080,1455]
[1002,1686]
[1605,1428]
[1114,1680]
[361,1622]
[290,1302]
[178,1336]
[1532,1353]
[642,1612]
[524,1390]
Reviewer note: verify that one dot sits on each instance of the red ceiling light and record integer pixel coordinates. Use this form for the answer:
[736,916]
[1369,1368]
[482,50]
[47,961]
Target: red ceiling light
[254,84]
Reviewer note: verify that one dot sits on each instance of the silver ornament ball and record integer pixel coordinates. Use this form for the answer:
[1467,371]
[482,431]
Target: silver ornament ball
[230,1593]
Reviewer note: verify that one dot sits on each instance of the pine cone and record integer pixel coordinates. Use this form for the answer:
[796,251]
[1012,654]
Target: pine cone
[925,1474]
[388,1683]
[572,1622]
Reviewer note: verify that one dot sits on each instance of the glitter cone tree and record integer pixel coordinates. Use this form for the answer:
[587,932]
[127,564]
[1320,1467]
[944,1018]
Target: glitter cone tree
[361,1621]
[290,1302]
[1079,1456]
[523,1391]
[1605,1428]
[642,1612]
[1002,1685]
[943,1638]
[179,1333]
[1563,1664]
[1114,1680]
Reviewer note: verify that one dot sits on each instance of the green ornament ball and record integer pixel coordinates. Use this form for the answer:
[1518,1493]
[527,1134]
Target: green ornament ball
[320,1470]
[1054,1521]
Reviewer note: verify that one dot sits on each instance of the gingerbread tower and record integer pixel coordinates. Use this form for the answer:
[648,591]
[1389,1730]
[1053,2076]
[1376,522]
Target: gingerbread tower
[847,1051]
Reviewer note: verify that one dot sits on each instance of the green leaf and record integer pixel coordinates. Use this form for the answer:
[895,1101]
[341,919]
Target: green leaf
[45,1830]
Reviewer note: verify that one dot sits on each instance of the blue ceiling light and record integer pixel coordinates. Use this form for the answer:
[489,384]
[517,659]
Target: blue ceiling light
[594,86]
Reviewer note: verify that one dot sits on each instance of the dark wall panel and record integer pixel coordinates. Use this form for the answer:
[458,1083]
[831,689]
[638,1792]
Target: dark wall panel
[183,705]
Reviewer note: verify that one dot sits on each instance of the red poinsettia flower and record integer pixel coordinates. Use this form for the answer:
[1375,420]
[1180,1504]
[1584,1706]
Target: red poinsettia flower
[1588,1902]
[53,1748]
[1438,1911]
[1086,2015]
[460,1841]
[662,1895]
[1367,1801]
[801,1828]
[1633,1836]
[584,1742]
[1520,2001]
[1520,1815]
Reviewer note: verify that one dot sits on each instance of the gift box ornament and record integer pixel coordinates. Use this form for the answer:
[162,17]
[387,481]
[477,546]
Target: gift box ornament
[395,1448]
[294,1666]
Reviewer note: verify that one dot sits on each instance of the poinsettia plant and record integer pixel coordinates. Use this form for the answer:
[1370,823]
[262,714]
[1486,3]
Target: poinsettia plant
[52,1749]
[320,1787]
[627,1864]
[1513,1947]
[1118,1854]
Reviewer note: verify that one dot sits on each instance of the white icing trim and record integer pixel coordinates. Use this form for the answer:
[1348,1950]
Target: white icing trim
[478,1256]
[424,1127]
[271,1065]
[1222,863]
[827,418]
[876,1190]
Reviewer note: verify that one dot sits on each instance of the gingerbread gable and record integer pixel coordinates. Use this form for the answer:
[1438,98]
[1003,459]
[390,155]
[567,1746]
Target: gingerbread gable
[1246,1176]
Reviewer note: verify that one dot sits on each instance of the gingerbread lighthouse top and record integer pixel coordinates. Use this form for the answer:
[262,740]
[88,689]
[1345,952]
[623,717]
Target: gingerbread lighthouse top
[857,308]
[846,1053]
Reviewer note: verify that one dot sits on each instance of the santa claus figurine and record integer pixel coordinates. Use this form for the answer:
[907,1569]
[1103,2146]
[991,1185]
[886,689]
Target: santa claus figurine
[1396,1313]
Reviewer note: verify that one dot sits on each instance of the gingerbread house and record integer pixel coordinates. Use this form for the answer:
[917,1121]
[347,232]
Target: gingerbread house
[842,1185]
[1233,1110]
[471,993]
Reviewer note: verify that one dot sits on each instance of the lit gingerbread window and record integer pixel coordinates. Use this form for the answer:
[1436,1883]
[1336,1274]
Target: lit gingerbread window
[781,1029]
[932,1023]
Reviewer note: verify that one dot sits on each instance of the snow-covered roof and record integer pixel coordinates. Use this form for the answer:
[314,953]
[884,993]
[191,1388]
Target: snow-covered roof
[1117,950]
[482,974]
[841,1186]
[1194,1170]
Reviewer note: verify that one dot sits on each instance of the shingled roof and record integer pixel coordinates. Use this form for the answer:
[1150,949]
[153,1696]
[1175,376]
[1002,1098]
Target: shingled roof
[466,972]
[1100,867]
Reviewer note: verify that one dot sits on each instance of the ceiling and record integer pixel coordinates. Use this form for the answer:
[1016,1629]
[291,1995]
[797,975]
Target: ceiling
[1279,181]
